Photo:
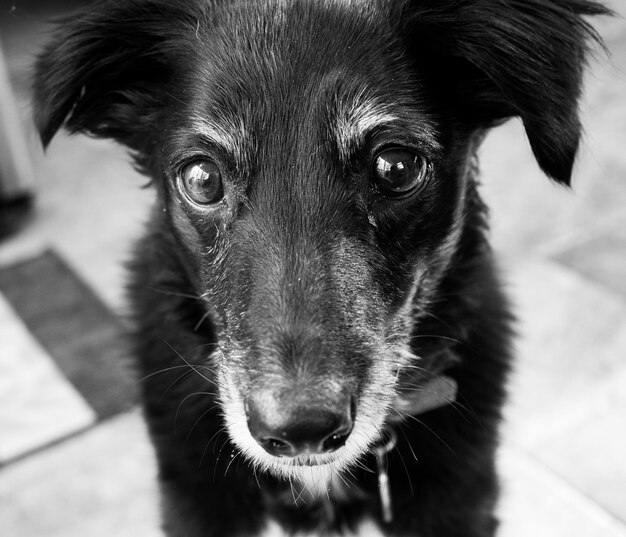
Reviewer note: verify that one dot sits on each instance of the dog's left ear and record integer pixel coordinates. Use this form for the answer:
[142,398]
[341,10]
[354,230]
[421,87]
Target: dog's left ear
[106,71]
[493,60]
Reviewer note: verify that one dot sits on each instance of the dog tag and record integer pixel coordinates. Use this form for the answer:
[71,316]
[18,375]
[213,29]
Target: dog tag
[381,450]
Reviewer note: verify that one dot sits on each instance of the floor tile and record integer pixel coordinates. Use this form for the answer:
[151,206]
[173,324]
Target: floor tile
[100,484]
[535,502]
[592,457]
[570,348]
[37,403]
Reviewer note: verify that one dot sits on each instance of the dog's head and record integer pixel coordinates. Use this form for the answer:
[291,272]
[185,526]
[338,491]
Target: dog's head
[313,160]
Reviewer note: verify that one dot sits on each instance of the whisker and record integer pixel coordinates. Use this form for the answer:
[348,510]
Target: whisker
[433,432]
[344,479]
[406,470]
[256,477]
[169,292]
[164,370]
[202,319]
[218,456]
[302,490]
[185,399]
[413,366]
[217,459]
[360,464]
[189,433]
[185,360]
[410,446]
[438,336]
[174,382]
[232,459]
[293,492]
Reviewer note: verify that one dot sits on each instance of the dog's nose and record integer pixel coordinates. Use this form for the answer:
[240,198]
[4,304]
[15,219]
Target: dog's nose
[303,430]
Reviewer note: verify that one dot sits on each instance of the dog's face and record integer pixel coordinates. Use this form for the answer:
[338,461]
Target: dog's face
[313,161]
[305,180]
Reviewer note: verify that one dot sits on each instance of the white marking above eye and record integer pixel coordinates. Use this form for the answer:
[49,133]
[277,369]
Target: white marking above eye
[230,136]
[357,120]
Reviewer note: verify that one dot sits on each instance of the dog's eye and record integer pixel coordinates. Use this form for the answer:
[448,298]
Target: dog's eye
[398,172]
[202,182]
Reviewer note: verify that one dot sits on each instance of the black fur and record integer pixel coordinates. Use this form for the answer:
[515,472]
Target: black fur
[275,278]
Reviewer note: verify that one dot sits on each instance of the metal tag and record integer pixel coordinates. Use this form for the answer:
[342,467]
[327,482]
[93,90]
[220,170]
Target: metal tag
[380,451]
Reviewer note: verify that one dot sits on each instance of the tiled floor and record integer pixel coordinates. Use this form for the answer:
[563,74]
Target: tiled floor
[564,257]
[32,417]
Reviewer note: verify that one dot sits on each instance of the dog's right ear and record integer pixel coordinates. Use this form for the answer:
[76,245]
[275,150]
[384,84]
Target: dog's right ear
[493,59]
[106,71]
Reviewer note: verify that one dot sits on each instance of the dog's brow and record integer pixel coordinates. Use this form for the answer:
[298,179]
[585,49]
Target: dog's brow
[355,121]
[230,138]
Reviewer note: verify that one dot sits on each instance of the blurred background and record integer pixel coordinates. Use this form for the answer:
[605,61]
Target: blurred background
[74,457]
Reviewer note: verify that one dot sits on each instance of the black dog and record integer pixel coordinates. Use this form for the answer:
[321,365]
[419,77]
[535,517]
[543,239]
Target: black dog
[315,282]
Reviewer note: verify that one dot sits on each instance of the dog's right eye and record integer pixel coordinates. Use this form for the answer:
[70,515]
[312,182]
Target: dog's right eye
[201,181]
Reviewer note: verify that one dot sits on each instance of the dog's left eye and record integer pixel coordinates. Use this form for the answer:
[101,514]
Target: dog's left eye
[399,172]
[201,181]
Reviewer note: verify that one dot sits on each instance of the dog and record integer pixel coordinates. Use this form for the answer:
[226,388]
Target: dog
[319,326]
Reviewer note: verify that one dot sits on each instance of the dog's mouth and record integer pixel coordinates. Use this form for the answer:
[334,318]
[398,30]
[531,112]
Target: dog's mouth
[310,461]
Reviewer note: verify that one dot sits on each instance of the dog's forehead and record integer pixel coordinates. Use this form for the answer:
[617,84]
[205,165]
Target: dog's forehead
[277,67]
[278,11]
[291,27]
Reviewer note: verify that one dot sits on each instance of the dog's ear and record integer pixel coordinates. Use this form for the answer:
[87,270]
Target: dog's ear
[495,60]
[105,72]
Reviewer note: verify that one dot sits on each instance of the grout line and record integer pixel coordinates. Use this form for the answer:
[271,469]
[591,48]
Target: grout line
[65,439]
